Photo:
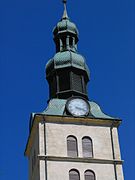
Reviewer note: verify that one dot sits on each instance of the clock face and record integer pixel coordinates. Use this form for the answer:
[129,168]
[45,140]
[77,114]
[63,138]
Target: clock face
[78,107]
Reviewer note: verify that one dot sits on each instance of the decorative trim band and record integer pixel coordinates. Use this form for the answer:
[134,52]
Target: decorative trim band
[78,159]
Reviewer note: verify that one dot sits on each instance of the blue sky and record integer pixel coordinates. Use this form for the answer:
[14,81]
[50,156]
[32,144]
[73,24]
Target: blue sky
[107,42]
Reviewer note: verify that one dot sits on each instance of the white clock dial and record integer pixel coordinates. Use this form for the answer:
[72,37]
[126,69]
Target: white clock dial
[78,107]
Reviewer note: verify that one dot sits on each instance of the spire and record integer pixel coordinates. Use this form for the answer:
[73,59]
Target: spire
[65,15]
[67,72]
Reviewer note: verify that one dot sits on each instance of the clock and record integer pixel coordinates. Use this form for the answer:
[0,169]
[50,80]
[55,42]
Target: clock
[78,106]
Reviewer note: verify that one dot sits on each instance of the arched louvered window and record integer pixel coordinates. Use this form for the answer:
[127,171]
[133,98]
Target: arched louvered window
[74,175]
[72,146]
[89,175]
[87,147]
[64,76]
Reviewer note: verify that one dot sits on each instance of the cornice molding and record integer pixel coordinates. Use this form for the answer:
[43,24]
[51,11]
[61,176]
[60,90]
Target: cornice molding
[80,159]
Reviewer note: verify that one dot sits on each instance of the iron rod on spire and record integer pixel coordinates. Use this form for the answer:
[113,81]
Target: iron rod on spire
[65,16]
[65,2]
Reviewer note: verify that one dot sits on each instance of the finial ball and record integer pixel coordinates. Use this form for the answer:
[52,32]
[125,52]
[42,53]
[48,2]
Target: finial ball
[64,1]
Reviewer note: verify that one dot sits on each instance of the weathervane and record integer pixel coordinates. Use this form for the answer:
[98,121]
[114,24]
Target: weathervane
[65,15]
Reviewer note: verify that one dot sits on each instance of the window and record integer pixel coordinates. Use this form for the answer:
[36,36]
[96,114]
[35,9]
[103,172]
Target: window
[72,146]
[77,82]
[64,81]
[52,83]
[74,175]
[71,42]
[89,175]
[87,147]
[63,43]
[57,46]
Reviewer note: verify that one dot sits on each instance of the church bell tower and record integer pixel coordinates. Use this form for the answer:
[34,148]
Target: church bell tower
[72,138]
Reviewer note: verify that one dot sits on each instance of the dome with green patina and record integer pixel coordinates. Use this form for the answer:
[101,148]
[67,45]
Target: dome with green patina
[65,25]
[67,59]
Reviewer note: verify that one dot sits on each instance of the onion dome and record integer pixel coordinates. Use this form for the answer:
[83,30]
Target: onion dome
[65,25]
[67,59]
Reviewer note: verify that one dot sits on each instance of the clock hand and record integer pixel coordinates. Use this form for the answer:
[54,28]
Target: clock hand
[80,108]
